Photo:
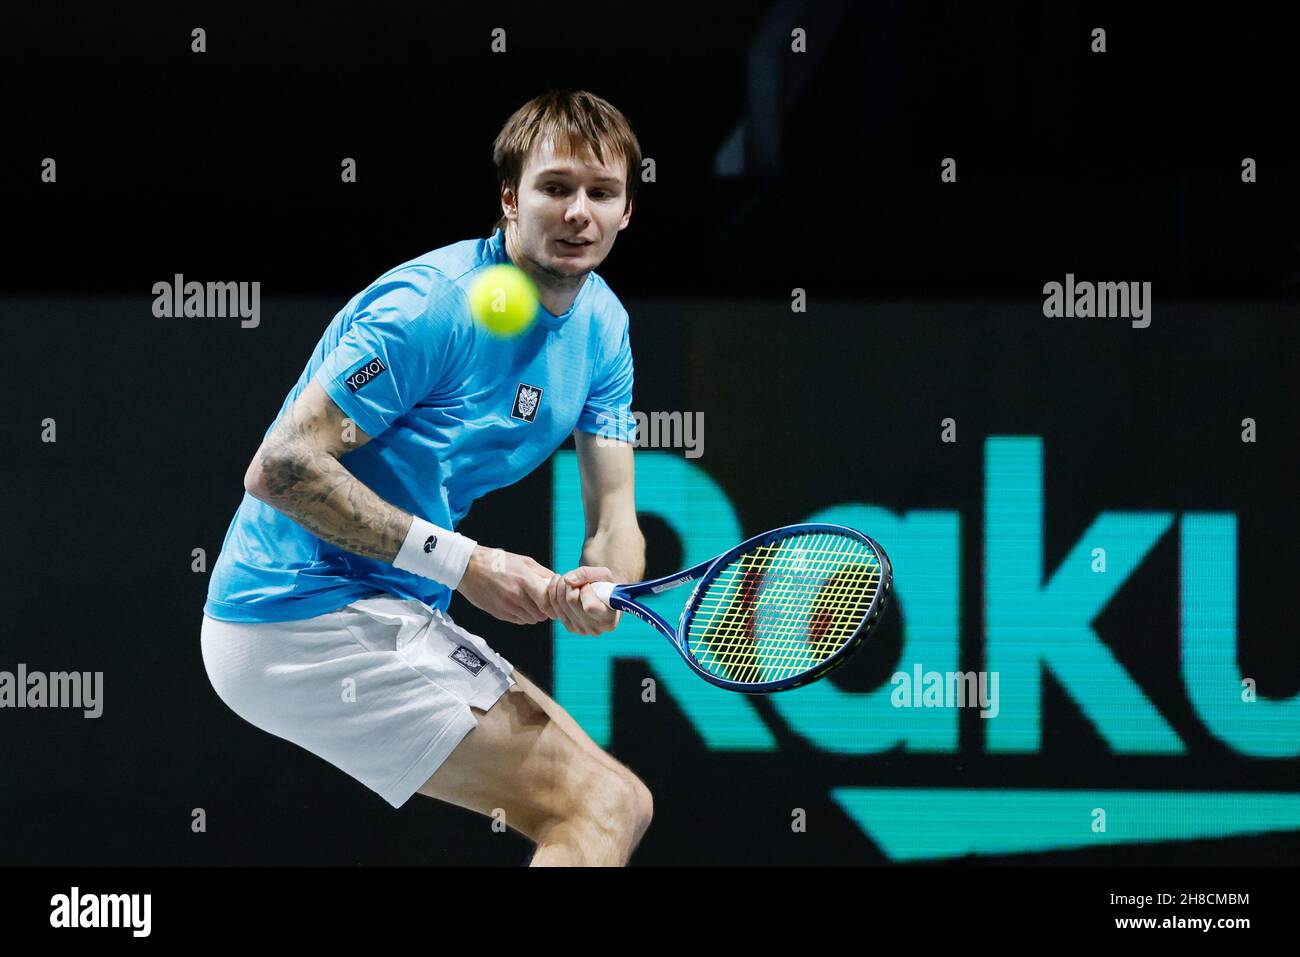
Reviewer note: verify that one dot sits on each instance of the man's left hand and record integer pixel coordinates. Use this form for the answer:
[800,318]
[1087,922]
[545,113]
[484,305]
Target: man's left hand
[576,604]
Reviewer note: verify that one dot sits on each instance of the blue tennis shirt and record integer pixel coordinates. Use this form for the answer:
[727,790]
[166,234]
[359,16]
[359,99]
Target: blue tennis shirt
[453,413]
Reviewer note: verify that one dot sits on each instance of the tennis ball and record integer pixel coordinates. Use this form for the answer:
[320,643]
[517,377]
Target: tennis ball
[504,299]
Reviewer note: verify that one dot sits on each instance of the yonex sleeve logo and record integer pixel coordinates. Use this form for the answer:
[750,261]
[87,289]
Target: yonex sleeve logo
[373,368]
[430,544]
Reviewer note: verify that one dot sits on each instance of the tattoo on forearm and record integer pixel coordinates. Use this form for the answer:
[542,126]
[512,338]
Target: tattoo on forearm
[313,488]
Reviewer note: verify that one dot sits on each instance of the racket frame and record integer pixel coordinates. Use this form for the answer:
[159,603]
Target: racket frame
[622,598]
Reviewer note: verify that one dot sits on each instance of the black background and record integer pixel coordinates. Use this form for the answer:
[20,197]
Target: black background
[924,303]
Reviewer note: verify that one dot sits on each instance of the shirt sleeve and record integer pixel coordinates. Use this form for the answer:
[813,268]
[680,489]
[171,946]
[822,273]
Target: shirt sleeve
[402,344]
[608,409]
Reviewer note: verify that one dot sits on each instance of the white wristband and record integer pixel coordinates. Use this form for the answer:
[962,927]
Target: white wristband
[435,553]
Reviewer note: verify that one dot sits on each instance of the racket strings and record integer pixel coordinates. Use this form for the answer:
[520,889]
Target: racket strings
[760,640]
[787,588]
[784,607]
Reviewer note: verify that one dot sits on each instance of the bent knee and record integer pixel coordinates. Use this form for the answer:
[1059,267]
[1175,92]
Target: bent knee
[613,801]
[644,805]
[623,806]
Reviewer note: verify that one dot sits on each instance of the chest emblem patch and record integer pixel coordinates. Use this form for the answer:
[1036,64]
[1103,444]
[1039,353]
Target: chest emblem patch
[527,399]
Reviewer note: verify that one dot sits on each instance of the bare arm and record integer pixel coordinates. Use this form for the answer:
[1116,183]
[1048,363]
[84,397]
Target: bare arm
[613,537]
[613,548]
[297,471]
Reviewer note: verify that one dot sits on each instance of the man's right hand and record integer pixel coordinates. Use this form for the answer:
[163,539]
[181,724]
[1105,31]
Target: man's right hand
[507,586]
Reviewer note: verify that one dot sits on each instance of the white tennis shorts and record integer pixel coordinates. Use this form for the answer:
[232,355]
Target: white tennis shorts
[381,688]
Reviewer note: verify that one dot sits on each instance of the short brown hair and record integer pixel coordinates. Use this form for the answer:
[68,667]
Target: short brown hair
[577,123]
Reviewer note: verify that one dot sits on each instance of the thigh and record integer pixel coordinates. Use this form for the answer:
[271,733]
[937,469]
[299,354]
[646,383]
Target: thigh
[527,757]
[568,724]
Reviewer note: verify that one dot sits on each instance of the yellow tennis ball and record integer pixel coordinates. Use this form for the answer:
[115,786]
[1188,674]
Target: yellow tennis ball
[504,299]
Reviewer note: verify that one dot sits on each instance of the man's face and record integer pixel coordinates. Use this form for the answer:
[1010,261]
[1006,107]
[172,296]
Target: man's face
[569,211]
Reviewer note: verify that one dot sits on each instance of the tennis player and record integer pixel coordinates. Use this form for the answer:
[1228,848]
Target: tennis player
[326,617]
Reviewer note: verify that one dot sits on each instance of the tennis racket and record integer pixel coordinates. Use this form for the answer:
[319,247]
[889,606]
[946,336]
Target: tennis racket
[777,611]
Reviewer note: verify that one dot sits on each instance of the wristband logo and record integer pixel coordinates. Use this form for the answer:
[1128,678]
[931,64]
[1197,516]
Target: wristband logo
[430,544]
[369,371]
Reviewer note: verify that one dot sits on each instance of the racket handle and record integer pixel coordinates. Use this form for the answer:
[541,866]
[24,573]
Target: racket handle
[603,589]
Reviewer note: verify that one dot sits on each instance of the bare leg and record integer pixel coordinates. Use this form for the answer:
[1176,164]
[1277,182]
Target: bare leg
[529,758]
